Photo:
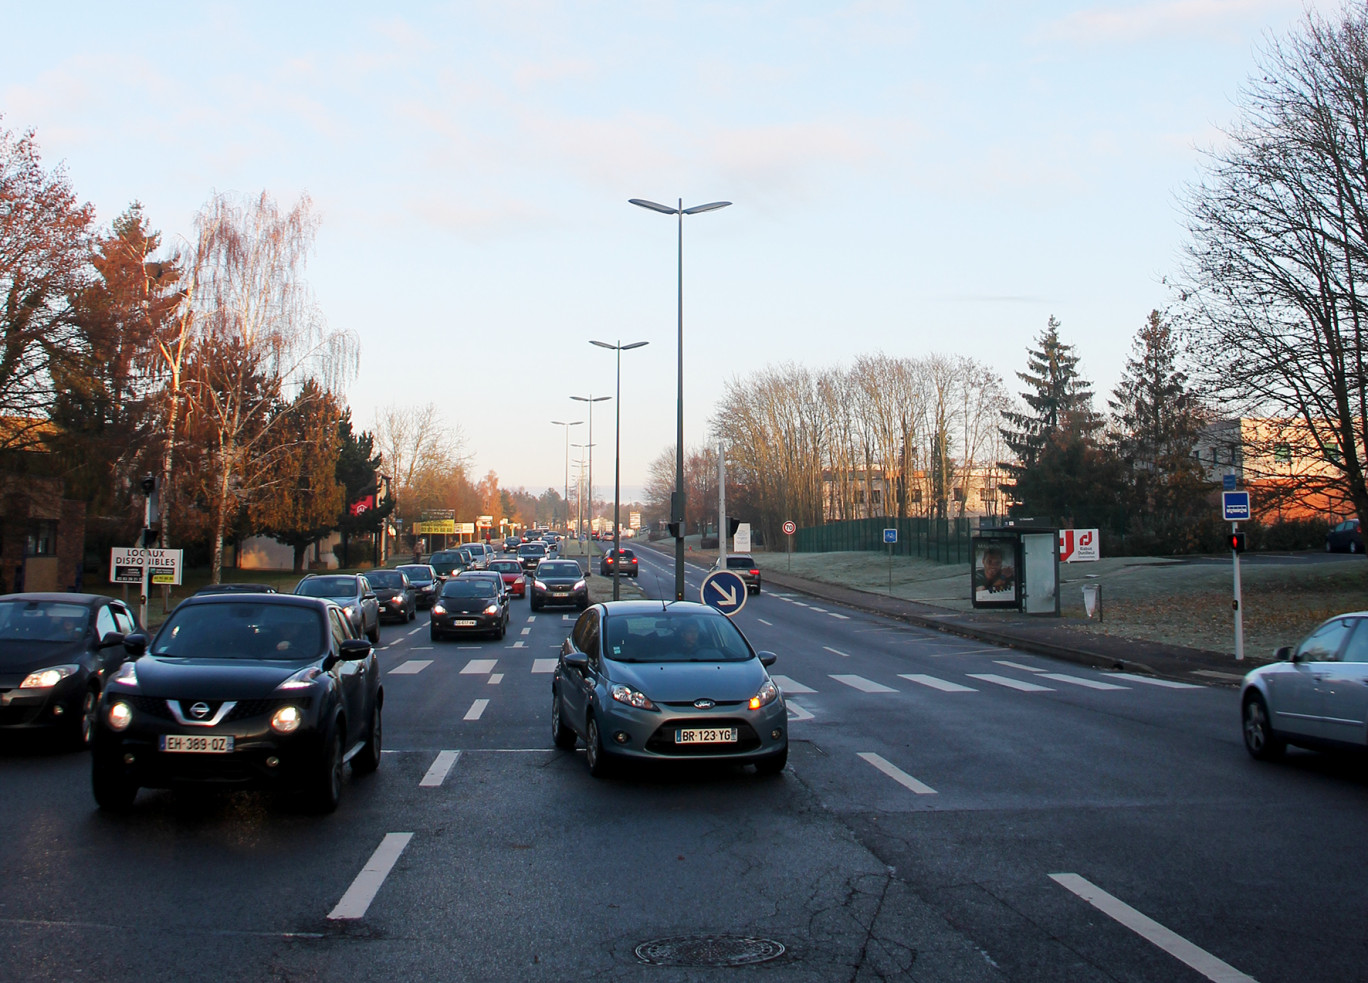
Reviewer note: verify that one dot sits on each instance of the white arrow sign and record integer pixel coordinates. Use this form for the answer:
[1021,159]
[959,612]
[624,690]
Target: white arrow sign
[724,591]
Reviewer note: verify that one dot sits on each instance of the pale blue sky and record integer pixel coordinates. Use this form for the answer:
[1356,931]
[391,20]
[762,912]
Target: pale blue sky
[907,178]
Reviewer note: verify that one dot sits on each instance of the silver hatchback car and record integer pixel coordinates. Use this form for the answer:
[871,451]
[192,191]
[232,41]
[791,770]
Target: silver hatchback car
[650,681]
[1315,695]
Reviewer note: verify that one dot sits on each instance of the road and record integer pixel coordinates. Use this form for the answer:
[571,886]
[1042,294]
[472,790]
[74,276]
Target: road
[951,811]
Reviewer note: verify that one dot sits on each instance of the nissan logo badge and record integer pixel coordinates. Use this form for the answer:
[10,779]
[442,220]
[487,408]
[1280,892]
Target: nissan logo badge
[199,711]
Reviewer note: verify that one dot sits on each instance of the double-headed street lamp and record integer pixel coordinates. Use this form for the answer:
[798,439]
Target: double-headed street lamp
[567,426]
[580,481]
[677,505]
[619,348]
[591,399]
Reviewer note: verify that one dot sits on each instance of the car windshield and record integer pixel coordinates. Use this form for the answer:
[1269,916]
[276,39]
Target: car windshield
[388,579]
[560,568]
[528,549]
[662,637]
[42,621]
[418,575]
[468,588]
[506,566]
[327,587]
[241,630]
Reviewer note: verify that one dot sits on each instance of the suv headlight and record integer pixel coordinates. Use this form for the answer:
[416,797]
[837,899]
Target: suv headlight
[125,675]
[302,679]
[492,609]
[633,698]
[286,720]
[46,678]
[767,694]
[579,585]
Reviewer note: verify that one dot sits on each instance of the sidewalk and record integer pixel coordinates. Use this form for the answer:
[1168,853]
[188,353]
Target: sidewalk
[1055,637]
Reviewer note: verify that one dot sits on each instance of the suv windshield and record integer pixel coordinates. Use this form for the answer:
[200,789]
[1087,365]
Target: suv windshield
[241,630]
[559,568]
[468,588]
[418,575]
[740,563]
[327,587]
[388,579]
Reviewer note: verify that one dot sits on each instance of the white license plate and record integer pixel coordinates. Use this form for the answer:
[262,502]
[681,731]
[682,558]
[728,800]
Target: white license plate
[196,744]
[706,735]
[465,622]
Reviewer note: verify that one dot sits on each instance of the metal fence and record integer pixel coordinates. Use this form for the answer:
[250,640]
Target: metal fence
[941,540]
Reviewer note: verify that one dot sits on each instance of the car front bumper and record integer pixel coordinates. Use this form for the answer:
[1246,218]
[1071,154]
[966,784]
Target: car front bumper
[652,735]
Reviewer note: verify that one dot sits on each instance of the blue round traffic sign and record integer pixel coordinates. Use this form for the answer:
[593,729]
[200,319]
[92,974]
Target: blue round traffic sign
[724,591]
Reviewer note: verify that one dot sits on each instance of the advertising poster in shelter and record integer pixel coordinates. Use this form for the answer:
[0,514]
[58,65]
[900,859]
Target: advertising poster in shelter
[995,572]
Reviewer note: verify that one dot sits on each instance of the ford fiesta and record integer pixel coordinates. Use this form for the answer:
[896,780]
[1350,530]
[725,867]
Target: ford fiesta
[649,681]
[257,689]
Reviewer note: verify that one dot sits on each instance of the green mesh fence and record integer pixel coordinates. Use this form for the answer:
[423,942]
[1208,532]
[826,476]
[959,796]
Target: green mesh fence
[941,540]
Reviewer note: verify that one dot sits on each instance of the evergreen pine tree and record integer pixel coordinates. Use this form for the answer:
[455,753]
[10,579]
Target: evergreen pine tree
[1059,399]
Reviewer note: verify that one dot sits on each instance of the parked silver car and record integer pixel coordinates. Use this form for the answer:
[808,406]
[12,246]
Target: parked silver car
[1315,695]
[659,682]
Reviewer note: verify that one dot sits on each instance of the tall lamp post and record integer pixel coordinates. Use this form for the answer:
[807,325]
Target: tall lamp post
[581,513]
[567,426]
[619,348]
[677,505]
[591,399]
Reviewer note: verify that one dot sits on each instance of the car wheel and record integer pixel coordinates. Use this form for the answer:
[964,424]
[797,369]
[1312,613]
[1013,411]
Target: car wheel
[562,736]
[594,756]
[1328,547]
[772,764]
[1353,546]
[1260,740]
[413,612]
[434,635]
[368,758]
[535,605]
[84,726]
[113,792]
[327,784]
[374,633]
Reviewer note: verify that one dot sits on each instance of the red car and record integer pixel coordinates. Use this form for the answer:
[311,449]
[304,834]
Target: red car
[512,573]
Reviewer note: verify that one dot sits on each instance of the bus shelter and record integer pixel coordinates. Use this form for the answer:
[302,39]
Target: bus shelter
[1015,567]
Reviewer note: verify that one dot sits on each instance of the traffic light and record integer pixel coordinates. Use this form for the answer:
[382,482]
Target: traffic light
[1236,541]
[732,525]
[150,537]
[674,529]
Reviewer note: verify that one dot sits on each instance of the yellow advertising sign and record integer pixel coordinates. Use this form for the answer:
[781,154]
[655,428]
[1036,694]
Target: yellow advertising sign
[435,527]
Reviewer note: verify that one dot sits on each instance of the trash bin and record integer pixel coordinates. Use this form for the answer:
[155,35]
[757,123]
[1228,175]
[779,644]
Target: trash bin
[1092,600]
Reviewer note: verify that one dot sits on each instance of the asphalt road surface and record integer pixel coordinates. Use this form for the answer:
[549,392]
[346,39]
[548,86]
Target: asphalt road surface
[951,811]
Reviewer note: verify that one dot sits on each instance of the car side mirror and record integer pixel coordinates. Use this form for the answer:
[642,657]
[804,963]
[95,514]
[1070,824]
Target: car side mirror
[768,659]
[110,640]
[368,596]
[135,643]
[1283,654]
[355,649]
[576,660]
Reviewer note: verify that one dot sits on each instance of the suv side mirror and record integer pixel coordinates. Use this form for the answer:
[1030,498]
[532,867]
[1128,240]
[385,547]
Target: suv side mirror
[135,643]
[1283,654]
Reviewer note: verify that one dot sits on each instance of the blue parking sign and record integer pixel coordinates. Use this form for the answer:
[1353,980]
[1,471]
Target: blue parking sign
[890,536]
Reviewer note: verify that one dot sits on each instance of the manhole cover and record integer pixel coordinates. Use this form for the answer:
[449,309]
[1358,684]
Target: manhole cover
[708,950]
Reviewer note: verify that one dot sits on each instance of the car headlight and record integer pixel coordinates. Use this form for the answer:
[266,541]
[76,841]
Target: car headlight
[302,679]
[119,715]
[286,720]
[438,609]
[579,585]
[125,675]
[492,609]
[767,694]
[46,678]
[634,698]
[539,585]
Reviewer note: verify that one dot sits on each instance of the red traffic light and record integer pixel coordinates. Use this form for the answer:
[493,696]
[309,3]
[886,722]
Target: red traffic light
[1236,541]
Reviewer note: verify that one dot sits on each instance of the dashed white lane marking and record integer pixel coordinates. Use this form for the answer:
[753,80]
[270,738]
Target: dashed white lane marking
[1080,681]
[544,665]
[944,685]
[843,617]
[476,710]
[526,631]
[517,645]
[1151,931]
[863,685]
[441,767]
[828,648]
[420,648]
[468,648]
[411,668]
[1017,665]
[795,712]
[367,884]
[818,610]
[478,667]
[416,630]
[897,774]
[1016,684]
[531,618]
[790,685]
[496,678]
[764,622]
[1150,681]
[801,604]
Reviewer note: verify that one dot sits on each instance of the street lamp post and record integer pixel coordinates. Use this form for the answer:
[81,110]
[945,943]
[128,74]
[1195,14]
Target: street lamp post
[677,506]
[567,426]
[619,348]
[591,399]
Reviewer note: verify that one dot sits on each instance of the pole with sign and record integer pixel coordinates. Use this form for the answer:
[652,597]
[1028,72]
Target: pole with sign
[1235,509]
[790,527]
[890,537]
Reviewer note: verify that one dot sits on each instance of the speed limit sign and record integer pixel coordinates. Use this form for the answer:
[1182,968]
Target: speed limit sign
[790,527]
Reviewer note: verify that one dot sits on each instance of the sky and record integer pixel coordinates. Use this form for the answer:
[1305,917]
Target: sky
[906,178]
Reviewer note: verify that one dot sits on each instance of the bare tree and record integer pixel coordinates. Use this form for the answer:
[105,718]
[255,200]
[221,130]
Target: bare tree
[416,440]
[1275,291]
[258,335]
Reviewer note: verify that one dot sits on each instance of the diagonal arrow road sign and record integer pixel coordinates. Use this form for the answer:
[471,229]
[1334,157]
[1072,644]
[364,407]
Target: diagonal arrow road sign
[724,591]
